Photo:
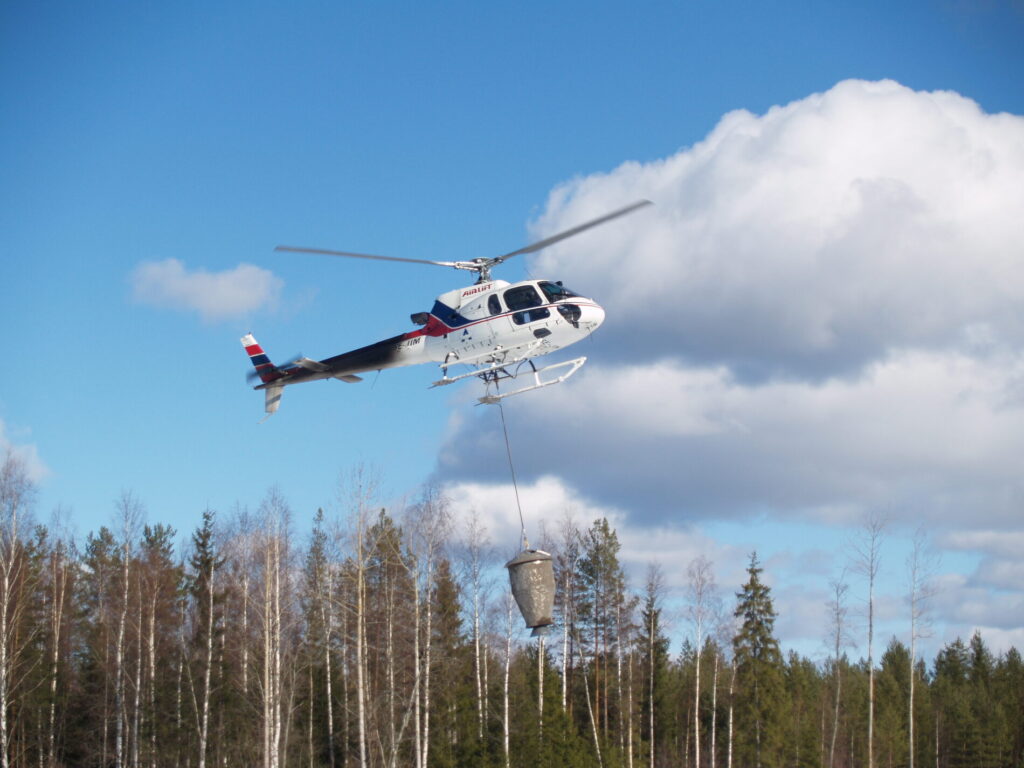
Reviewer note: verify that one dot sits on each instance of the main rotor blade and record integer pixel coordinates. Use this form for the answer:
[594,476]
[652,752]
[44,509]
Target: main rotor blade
[294,249]
[574,231]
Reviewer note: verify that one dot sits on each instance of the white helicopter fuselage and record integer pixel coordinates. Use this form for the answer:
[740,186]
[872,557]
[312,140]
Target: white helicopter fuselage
[524,319]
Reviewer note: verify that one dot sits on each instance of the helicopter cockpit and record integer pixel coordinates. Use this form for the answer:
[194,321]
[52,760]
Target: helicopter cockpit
[556,291]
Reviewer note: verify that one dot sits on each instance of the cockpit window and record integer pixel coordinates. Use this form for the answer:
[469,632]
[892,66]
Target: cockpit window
[494,304]
[522,297]
[556,291]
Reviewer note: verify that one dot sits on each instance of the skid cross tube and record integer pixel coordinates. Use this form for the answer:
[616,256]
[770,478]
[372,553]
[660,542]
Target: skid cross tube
[491,377]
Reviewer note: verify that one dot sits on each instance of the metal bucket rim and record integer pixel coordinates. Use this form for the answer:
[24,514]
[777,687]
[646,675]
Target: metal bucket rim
[529,556]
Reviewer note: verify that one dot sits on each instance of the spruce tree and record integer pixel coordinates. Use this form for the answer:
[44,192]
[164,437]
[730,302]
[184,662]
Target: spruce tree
[759,672]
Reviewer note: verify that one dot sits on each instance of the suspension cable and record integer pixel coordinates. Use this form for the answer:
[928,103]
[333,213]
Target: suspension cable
[512,469]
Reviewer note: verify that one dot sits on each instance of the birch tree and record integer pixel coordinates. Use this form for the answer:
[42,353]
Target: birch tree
[475,548]
[839,639]
[205,564]
[921,565]
[428,523]
[129,512]
[701,607]
[60,564]
[654,653]
[867,553]
[16,491]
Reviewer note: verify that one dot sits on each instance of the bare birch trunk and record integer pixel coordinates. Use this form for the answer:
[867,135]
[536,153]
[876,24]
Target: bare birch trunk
[390,652]
[732,687]
[9,556]
[360,564]
[137,703]
[618,672]
[650,656]
[327,614]
[59,580]
[151,648]
[245,627]
[702,606]
[505,714]
[837,608]
[309,730]
[181,674]
[277,636]
[129,511]
[629,710]
[696,708]
[868,552]
[427,642]
[205,721]
[565,649]
[417,675]
[714,705]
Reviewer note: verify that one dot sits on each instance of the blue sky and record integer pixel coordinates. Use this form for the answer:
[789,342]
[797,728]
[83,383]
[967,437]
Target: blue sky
[209,133]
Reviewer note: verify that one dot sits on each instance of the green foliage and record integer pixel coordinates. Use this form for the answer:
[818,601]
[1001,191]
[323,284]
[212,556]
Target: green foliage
[969,710]
[760,713]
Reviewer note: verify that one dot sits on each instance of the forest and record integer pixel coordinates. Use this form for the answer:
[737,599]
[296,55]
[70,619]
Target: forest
[387,637]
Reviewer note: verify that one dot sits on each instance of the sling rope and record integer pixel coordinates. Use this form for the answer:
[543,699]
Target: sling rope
[512,469]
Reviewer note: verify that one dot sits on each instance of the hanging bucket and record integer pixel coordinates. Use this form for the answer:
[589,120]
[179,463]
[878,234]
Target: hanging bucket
[532,576]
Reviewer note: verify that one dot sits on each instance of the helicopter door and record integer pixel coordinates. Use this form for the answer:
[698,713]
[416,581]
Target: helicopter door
[525,304]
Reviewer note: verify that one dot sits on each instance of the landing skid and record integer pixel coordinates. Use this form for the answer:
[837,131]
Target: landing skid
[498,364]
[491,379]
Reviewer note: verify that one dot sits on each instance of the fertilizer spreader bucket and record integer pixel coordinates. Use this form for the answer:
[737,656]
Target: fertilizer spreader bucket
[532,576]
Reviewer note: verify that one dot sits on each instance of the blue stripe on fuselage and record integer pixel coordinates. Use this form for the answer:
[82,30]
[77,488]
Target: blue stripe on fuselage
[448,316]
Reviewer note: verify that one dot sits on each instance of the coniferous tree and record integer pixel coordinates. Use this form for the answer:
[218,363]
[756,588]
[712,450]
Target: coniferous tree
[892,693]
[954,727]
[454,720]
[1008,688]
[600,606]
[803,683]
[991,743]
[760,710]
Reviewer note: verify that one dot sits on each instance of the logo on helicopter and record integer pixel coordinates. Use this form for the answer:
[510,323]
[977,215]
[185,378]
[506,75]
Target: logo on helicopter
[476,289]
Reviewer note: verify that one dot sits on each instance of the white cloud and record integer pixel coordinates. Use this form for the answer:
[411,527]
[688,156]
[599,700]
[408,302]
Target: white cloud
[546,504]
[27,452]
[922,435]
[1004,543]
[810,240]
[214,295]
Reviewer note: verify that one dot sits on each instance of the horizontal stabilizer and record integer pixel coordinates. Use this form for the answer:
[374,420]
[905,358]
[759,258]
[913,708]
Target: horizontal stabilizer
[312,365]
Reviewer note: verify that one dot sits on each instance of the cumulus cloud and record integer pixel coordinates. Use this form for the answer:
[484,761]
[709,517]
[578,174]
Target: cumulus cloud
[547,503]
[214,295]
[819,316]
[921,434]
[810,240]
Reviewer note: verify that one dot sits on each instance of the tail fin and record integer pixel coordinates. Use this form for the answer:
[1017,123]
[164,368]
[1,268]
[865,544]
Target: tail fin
[273,400]
[265,369]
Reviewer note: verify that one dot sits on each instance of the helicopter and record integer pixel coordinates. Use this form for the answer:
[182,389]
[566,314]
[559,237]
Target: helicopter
[493,327]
